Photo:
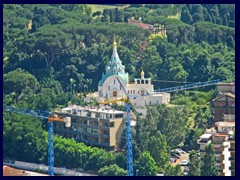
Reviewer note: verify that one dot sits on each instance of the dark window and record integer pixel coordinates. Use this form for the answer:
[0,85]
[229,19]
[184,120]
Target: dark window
[118,115]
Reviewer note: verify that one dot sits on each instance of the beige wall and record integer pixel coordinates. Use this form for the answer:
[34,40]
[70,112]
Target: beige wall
[226,87]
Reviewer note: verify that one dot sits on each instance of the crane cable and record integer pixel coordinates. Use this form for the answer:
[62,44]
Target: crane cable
[173,81]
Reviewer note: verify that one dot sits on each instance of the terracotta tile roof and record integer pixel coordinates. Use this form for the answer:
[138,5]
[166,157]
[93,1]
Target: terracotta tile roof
[145,26]
[9,171]
[220,135]
[140,24]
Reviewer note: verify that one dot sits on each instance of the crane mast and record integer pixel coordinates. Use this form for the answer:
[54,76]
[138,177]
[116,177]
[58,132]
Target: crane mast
[128,128]
[129,141]
[51,118]
[50,149]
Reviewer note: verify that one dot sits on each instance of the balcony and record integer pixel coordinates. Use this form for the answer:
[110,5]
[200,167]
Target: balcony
[217,144]
[232,154]
[105,127]
[105,135]
[69,131]
[105,144]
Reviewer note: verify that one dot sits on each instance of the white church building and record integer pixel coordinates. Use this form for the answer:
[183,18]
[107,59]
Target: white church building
[141,91]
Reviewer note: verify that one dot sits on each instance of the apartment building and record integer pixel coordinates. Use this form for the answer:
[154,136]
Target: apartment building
[95,126]
[222,153]
[223,105]
[223,140]
[232,156]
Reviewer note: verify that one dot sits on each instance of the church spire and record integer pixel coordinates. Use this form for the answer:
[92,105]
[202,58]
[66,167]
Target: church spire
[114,42]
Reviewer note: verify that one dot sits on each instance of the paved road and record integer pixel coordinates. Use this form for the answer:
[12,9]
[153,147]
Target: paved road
[182,157]
[32,167]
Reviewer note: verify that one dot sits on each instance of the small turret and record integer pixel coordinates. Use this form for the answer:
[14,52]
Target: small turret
[142,74]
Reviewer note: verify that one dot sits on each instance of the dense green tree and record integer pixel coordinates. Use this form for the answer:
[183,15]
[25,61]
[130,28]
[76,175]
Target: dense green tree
[195,164]
[209,167]
[112,170]
[146,165]
[17,81]
[173,171]
[157,146]
[186,16]
[120,160]
[119,15]
[192,137]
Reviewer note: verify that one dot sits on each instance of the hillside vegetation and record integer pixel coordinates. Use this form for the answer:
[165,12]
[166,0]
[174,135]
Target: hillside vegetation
[47,45]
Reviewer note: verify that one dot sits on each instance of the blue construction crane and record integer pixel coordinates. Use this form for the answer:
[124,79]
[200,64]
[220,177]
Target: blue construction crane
[128,128]
[189,86]
[51,118]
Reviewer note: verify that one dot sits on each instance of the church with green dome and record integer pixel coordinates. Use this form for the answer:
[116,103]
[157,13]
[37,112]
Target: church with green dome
[140,92]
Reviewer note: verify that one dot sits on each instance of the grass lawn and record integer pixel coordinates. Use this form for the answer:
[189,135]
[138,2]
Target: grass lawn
[99,7]
[177,16]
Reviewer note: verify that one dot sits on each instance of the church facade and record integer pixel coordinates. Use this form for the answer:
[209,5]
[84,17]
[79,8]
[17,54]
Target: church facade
[141,91]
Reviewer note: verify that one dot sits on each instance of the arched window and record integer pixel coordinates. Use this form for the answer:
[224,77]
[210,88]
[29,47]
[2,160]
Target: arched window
[114,93]
[142,92]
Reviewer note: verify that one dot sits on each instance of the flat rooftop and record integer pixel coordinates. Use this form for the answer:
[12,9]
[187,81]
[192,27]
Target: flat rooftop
[106,110]
[225,124]
[205,136]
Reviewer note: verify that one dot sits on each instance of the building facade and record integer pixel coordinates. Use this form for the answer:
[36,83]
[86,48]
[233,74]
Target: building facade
[100,127]
[225,88]
[223,140]
[141,91]
[223,105]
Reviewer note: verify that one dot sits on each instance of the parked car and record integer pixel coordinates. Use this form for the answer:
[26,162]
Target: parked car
[177,150]
[184,162]
[180,150]
[173,160]
[177,156]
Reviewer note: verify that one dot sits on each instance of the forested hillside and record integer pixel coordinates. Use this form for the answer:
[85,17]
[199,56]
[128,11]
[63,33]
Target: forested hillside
[47,45]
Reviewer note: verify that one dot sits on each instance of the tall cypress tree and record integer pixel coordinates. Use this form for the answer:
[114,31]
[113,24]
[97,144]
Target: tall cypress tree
[195,164]
[209,167]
